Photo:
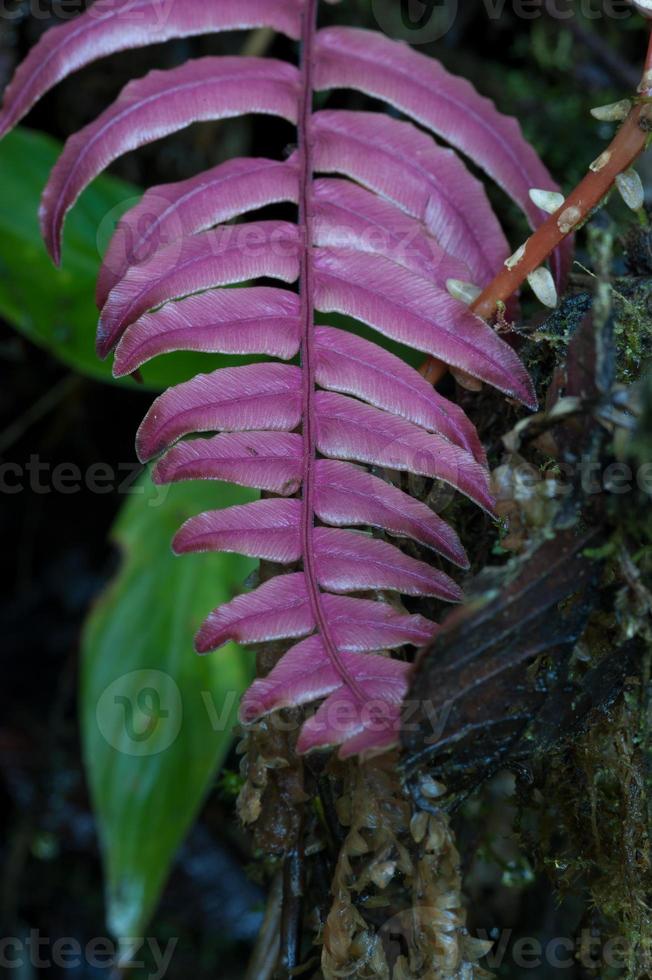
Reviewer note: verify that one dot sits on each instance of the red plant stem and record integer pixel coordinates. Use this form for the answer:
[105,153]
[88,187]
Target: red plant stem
[627,145]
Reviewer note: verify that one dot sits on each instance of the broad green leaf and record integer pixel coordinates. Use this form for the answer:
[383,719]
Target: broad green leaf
[156,719]
[55,308]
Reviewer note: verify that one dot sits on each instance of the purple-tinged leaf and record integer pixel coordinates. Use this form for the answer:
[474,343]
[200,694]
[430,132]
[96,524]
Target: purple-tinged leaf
[235,399]
[254,320]
[266,529]
[346,560]
[174,211]
[358,625]
[397,161]
[350,561]
[347,429]
[376,738]
[411,310]
[269,461]
[231,254]
[161,103]
[346,494]
[421,88]
[116,25]
[381,251]
[306,673]
[278,609]
[349,216]
[354,366]
[372,719]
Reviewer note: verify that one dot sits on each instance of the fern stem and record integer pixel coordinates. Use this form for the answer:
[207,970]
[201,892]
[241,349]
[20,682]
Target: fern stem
[306,170]
[629,142]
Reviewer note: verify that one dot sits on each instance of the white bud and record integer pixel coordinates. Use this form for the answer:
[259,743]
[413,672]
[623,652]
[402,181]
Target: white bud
[543,286]
[645,7]
[419,825]
[601,162]
[614,112]
[631,189]
[514,259]
[549,201]
[435,842]
[568,219]
[465,292]
[381,874]
[431,788]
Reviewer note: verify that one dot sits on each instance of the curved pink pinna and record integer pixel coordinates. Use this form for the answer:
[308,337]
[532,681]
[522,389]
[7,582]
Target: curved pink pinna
[172,212]
[109,26]
[161,103]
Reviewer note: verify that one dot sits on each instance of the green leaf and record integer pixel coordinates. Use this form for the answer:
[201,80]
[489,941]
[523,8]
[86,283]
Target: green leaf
[55,308]
[156,718]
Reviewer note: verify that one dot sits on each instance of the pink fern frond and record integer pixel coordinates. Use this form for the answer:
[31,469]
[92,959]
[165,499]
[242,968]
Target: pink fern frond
[386,217]
[348,429]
